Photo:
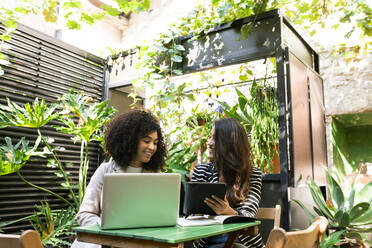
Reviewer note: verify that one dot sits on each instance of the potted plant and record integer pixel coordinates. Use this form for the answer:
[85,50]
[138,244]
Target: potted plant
[264,136]
[79,117]
[348,210]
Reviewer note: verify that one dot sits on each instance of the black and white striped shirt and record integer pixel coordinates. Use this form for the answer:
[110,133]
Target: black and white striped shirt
[249,207]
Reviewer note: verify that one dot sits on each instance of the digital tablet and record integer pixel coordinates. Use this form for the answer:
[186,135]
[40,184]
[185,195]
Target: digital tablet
[195,194]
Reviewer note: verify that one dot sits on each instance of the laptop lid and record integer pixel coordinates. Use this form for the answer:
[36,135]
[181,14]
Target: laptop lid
[140,200]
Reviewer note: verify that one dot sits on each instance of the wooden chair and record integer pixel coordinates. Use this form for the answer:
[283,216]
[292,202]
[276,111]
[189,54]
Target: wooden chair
[28,239]
[309,238]
[262,214]
[270,214]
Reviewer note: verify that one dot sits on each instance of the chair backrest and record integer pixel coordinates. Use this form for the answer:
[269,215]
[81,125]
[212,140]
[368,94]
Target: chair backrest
[28,239]
[270,214]
[308,238]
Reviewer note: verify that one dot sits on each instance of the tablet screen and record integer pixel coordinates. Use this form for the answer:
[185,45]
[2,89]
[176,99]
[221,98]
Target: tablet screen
[195,194]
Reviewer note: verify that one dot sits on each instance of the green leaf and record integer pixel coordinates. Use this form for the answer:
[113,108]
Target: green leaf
[161,48]
[332,239]
[307,212]
[87,18]
[350,202]
[359,210]
[50,14]
[14,157]
[353,235]
[35,116]
[5,37]
[146,4]
[364,195]
[365,218]
[243,77]
[337,194]
[246,30]
[176,58]
[92,116]
[242,103]
[110,10]
[21,10]
[72,25]
[179,48]
[317,210]
[10,24]
[342,218]
[319,201]
[177,72]
[72,4]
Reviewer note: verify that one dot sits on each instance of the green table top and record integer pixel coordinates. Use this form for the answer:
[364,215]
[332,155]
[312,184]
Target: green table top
[172,234]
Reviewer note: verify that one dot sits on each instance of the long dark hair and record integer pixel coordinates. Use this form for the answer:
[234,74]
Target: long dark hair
[233,158]
[123,133]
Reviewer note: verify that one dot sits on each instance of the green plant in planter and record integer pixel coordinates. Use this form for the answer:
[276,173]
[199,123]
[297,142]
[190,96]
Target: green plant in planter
[264,135]
[78,116]
[348,209]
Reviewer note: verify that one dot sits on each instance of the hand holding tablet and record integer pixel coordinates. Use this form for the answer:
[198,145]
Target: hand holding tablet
[197,192]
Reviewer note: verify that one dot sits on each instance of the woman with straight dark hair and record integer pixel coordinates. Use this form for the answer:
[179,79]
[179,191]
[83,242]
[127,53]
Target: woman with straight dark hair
[231,162]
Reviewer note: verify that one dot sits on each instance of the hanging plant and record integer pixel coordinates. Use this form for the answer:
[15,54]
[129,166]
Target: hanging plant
[258,113]
[264,134]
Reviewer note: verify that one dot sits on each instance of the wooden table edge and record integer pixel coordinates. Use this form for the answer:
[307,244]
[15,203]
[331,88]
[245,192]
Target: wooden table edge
[117,241]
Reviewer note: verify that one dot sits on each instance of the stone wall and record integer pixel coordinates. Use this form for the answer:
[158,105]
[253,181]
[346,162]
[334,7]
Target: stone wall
[347,85]
[347,89]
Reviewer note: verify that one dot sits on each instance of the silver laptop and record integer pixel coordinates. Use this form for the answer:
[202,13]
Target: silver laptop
[140,200]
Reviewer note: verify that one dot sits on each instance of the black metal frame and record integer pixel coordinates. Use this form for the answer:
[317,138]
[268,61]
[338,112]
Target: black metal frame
[272,35]
[266,40]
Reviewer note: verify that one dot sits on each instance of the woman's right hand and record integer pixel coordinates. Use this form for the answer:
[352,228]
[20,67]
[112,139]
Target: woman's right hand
[219,206]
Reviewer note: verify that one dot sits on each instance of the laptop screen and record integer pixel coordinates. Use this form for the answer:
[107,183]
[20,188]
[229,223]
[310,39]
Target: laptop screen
[140,200]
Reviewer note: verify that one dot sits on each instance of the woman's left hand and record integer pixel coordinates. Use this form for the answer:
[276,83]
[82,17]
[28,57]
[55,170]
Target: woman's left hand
[219,206]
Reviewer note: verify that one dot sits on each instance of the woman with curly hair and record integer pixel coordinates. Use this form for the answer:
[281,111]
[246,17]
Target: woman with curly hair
[231,163]
[135,143]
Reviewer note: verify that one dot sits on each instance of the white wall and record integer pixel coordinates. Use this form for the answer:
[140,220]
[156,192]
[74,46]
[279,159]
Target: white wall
[146,25]
[93,39]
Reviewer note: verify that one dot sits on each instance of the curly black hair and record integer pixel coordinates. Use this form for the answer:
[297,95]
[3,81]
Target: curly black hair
[123,133]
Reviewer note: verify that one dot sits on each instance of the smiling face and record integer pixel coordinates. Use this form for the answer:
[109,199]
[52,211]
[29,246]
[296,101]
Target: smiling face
[146,149]
[211,146]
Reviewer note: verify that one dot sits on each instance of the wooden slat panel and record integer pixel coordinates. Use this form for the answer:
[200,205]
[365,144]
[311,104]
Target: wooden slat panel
[45,68]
